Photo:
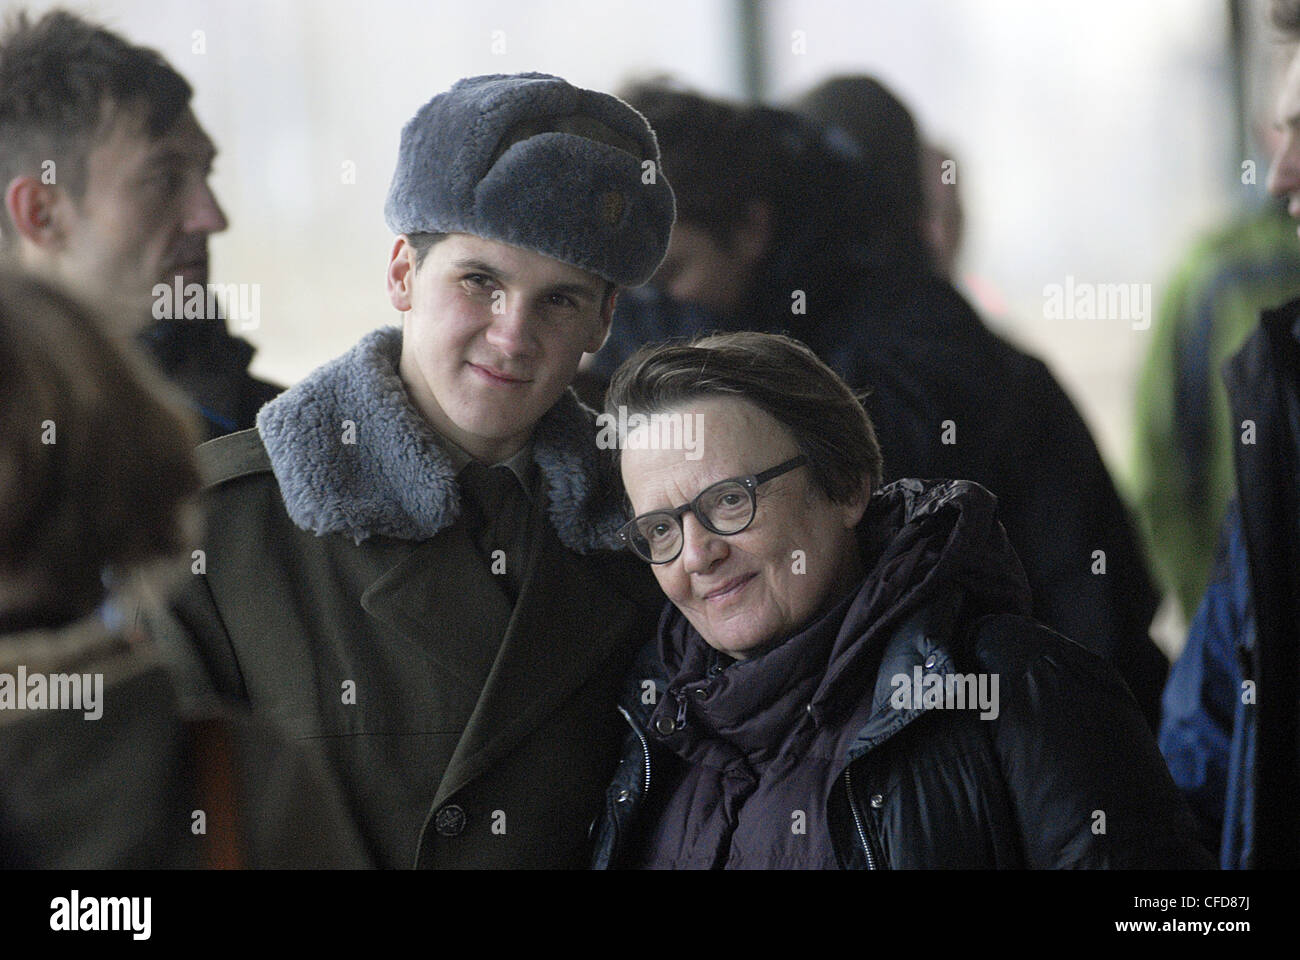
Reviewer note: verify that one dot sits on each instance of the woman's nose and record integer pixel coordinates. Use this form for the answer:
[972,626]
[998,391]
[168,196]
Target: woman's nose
[701,548]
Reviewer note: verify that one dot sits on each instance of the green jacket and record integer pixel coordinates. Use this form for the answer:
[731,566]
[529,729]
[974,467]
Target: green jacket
[341,595]
[1182,465]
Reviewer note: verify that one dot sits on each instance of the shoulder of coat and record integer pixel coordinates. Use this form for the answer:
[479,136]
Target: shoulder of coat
[1016,646]
[232,456]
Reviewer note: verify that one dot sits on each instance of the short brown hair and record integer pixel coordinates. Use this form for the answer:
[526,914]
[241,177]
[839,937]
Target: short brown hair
[777,374]
[61,79]
[96,457]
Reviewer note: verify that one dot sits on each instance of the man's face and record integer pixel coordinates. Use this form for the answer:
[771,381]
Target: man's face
[146,212]
[700,270]
[493,337]
[1284,176]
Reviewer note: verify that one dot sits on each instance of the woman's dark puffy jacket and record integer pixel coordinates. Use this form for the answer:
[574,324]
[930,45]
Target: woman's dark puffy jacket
[1066,775]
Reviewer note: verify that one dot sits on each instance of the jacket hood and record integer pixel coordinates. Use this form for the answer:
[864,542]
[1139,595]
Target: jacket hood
[352,455]
[937,546]
[931,547]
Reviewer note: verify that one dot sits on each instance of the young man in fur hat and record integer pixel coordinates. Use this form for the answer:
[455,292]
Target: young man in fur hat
[408,562]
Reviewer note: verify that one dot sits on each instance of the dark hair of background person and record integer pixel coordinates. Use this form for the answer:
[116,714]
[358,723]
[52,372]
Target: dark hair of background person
[777,374]
[96,461]
[1285,15]
[722,157]
[62,81]
[889,151]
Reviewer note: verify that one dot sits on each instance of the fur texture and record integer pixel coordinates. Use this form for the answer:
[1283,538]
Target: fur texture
[394,479]
[555,191]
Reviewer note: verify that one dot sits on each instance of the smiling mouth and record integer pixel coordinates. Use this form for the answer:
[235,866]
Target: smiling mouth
[730,588]
[496,376]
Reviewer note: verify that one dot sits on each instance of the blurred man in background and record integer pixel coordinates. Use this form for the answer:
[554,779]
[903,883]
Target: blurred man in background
[1231,726]
[105,171]
[788,226]
[1183,440]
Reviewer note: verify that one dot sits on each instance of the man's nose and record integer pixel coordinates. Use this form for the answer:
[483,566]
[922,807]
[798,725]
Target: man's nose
[204,214]
[511,329]
[1284,172]
[701,547]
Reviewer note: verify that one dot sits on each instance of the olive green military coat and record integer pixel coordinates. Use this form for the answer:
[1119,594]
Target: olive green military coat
[340,594]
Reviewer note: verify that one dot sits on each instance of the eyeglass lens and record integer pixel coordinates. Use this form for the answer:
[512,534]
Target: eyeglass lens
[724,508]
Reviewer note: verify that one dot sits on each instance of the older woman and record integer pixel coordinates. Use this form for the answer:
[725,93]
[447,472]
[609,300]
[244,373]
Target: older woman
[845,676]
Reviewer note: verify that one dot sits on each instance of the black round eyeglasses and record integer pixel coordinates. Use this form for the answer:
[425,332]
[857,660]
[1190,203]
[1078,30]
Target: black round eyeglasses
[725,508]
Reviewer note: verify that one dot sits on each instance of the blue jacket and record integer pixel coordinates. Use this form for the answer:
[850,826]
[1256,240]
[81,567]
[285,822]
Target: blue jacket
[1208,729]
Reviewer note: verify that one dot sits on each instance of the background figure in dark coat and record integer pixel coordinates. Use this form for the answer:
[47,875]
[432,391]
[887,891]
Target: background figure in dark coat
[784,226]
[1231,730]
[105,170]
[1230,725]
[99,766]
[845,676]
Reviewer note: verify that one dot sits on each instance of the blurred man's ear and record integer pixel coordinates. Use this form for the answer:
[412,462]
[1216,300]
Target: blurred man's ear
[32,209]
[752,236]
[401,274]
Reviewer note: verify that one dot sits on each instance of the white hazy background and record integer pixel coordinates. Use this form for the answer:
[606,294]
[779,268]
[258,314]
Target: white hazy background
[1093,140]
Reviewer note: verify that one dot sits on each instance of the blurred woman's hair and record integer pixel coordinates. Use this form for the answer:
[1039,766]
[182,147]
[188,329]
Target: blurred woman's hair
[777,374]
[96,455]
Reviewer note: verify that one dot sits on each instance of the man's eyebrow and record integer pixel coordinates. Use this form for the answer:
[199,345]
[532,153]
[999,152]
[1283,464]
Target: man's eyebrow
[575,289]
[473,263]
[590,291]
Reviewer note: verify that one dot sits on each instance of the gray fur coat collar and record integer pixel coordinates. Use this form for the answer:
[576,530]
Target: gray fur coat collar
[394,480]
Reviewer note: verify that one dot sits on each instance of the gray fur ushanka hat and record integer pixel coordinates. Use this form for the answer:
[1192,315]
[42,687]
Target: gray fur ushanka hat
[530,160]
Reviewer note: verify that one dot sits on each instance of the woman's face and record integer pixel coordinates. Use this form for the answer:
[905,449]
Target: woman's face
[750,591]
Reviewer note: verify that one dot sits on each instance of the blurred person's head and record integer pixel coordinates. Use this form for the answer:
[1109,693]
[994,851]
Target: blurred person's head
[522,204]
[758,208]
[944,218]
[1284,174]
[96,462]
[104,166]
[786,461]
[889,191]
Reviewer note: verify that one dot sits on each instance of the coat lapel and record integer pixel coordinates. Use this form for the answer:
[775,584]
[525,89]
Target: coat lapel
[569,617]
[443,594]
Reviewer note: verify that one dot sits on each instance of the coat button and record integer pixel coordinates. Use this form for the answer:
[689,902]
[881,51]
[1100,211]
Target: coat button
[449,821]
[665,726]
[930,661]
[877,801]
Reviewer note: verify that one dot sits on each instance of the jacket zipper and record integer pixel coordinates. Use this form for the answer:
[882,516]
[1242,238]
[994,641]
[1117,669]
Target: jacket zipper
[857,818]
[645,748]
